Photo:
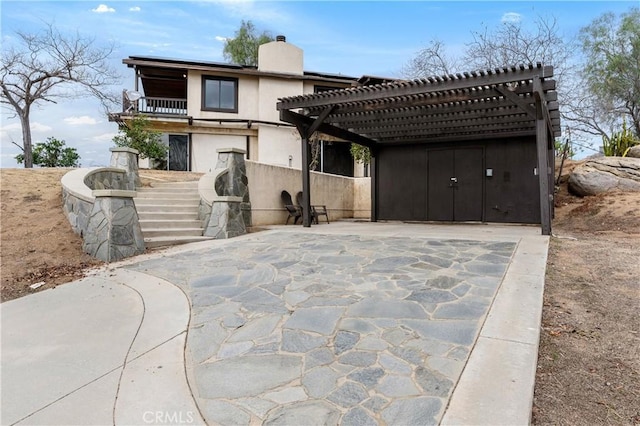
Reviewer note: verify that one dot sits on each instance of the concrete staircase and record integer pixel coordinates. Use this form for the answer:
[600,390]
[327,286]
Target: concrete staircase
[168,214]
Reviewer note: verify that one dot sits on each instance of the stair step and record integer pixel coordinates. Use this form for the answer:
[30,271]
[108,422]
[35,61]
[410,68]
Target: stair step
[187,184]
[172,232]
[153,242]
[170,190]
[166,201]
[168,215]
[164,208]
[168,195]
[170,224]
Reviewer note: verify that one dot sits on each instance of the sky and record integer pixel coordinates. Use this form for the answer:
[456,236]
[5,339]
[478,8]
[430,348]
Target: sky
[353,38]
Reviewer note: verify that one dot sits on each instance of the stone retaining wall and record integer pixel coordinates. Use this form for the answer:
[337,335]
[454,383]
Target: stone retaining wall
[113,230]
[108,178]
[99,206]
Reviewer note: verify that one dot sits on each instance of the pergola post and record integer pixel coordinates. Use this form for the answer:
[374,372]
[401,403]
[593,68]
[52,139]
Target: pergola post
[542,142]
[306,182]
[373,173]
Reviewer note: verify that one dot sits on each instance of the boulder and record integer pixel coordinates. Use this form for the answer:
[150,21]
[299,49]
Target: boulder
[634,152]
[606,174]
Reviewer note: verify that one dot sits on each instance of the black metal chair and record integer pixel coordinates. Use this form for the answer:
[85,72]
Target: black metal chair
[316,211]
[294,211]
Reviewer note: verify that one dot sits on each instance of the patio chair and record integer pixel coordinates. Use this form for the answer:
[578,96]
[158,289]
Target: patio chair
[316,211]
[294,211]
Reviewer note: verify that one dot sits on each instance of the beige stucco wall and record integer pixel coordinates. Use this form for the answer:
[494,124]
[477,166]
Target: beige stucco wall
[270,90]
[203,149]
[277,144]
[267,181]
[362,198]
[280,56]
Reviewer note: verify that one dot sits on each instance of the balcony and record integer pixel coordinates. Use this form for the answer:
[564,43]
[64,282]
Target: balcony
[155,106]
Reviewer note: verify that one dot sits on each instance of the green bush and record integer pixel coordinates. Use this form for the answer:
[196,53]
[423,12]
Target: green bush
[619,143]
[137,135]
[360,153]
[52,153]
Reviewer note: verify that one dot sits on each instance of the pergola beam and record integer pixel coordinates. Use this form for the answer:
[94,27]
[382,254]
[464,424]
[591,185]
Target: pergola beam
[524,106]
[328,129]
[417,87]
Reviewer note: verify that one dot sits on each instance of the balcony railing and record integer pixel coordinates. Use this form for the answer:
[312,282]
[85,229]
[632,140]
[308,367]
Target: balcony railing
[150,105]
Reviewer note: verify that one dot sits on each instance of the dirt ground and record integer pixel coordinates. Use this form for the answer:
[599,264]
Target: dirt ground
[37,244]
[589,356]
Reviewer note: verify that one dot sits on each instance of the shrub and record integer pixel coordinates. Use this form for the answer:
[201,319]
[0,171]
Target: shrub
[52,153]
[619,143]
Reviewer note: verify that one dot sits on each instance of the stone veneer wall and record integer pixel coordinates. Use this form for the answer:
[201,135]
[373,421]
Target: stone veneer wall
[77,199]
[113,230]
[127,159]
[226,191]
[108,178]
[99,206]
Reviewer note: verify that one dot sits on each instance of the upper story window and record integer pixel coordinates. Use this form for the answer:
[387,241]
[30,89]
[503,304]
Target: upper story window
[219,94]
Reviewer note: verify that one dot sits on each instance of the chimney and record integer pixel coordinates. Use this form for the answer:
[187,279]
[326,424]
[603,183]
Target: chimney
[280,56]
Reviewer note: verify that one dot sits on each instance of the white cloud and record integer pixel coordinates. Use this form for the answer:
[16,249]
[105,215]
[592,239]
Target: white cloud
[105,137]
[38,127]
[222,39]
[103,8]
[511,17]
[134,9]
[12,126]
[35,127]
[76,121]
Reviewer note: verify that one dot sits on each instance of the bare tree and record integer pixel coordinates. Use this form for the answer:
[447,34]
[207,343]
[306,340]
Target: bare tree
[429,61]
[512,44]
[48,66]
[597,74]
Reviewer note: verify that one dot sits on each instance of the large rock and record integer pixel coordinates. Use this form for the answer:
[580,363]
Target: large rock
[606,174]
[634,152]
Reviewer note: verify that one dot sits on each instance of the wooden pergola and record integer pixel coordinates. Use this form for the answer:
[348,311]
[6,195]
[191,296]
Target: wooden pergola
[501,103]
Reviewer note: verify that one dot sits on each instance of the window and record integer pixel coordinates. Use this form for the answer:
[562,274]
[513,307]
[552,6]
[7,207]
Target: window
[219,94]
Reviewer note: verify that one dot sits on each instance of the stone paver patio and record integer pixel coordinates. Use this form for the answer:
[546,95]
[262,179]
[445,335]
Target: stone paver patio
[301,328]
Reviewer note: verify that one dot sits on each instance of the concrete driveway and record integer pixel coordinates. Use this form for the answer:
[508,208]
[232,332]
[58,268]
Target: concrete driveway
[349,323]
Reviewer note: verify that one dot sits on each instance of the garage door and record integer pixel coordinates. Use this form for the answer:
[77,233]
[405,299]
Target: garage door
[455,184]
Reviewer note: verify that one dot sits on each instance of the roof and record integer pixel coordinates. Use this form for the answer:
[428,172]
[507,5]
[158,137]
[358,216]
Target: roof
[478,105]
[147,62]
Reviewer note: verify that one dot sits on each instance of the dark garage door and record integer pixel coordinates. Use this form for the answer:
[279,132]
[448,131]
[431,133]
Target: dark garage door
[455,191]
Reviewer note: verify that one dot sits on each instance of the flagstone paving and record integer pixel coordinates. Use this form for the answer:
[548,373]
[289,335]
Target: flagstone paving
[295,328]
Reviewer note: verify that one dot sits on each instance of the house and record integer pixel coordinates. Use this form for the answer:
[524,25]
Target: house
[475,146]
[203,106]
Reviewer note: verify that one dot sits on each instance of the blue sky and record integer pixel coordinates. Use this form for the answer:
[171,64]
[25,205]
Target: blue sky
[347,37]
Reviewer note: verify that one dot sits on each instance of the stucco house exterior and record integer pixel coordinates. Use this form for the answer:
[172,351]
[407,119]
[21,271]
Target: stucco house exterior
[203,106]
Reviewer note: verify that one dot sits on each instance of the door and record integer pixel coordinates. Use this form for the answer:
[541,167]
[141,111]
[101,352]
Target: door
[455,190]
[178,152]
